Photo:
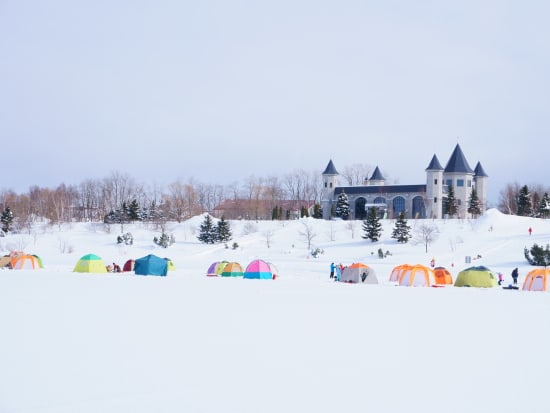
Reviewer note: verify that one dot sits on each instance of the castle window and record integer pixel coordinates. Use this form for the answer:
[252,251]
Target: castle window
[459,202]
[435,200]
[331,184]
[469,183]
[325,184]
[449,182]
[460,182]
[435,181]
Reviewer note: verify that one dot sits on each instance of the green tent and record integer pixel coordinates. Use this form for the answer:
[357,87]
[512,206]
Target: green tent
[479,276]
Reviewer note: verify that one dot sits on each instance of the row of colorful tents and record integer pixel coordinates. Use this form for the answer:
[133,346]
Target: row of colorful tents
[419,275]
[148,265]
[256,269]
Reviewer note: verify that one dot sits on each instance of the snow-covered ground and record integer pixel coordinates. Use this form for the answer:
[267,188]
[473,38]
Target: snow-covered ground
[73,342]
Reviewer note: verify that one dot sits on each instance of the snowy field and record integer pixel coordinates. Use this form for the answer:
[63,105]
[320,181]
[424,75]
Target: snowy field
[86,343]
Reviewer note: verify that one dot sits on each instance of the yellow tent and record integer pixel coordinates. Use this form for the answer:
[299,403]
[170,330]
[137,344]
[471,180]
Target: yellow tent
[90,263]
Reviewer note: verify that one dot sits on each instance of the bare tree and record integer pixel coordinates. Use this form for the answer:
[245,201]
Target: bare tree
[425,234]
[307,233]
[268,237]
[507,199]
[356,174]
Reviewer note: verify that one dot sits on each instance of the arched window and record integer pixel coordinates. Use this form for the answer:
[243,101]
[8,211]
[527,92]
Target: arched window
[398,205]
[418,207]
[360,212]
[379,200]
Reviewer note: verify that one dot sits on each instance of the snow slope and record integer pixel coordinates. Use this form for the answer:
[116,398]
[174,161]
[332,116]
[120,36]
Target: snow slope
[190,343]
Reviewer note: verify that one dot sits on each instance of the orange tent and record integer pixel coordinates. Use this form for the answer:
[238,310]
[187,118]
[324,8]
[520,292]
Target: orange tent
[442,276]
[536,280]
[417,276]
[25,262]
[397,271]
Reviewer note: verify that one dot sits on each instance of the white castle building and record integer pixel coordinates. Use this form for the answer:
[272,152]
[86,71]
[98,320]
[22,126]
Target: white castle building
[418,200]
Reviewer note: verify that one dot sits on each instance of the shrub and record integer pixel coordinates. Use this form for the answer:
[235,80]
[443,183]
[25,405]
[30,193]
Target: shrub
[127,239]
[538,255]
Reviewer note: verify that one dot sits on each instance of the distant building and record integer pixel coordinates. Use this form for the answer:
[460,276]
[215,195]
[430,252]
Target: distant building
[418,200]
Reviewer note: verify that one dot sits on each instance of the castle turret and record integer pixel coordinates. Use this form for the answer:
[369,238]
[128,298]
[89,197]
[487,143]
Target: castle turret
[330,181]
[376,178]
[480,180]
[459,174]
[434,189]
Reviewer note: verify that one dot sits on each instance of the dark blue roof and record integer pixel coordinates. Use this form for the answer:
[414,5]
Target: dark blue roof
[457,162]
[330,169]
[479,171]
[377,175]
[434,165]
[379,189]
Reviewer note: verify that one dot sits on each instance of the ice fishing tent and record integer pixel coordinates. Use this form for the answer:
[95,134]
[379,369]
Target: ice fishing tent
[417,276]
[442,276]
[5,262]
[358,273]
[216,268]
[40,263]
[479,276]
[25,262]
[536,280]
[258,269]
[171,265]
[232,269]
[90,263]
[128,266]
[151,265]
[397,271]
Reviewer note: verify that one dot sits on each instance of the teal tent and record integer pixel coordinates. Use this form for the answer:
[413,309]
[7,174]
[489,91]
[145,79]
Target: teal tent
[151,265]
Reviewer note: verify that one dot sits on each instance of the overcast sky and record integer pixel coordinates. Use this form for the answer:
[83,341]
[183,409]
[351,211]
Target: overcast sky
[222,90]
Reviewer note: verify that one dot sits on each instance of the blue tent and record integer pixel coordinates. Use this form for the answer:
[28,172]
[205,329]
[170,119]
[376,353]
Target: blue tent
[151,265]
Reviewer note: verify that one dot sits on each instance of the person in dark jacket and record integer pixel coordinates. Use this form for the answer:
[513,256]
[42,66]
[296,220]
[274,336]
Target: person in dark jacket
[515,275]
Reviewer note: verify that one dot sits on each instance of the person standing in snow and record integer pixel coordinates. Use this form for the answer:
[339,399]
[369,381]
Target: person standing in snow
[500,278]
[530,230]
[515,275]
[332,268]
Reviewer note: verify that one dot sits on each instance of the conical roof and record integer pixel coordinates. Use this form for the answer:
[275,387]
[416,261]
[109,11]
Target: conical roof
[434,165]
[377,175]
[457,162]
[330,169]
[479,171]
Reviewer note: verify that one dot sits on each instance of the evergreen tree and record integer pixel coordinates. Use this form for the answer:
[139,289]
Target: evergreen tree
[6,219]
[304,212]
[474,206]
[317,211]
[544,206]
[342,206]
[451,207]
[401,231]
[223,230]
[275,213]
[538,255]
[208,232]
[133,211]
[372,226]
[524,206]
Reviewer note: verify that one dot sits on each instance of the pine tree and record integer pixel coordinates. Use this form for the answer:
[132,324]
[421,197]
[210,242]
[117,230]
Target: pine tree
[401,231]
[133,211]
[208,232]
[544,206]
[372,226]
[474,206]
[317,211]
[451,207]
[524,206]
[223,230]
[342,206]
[6,219]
